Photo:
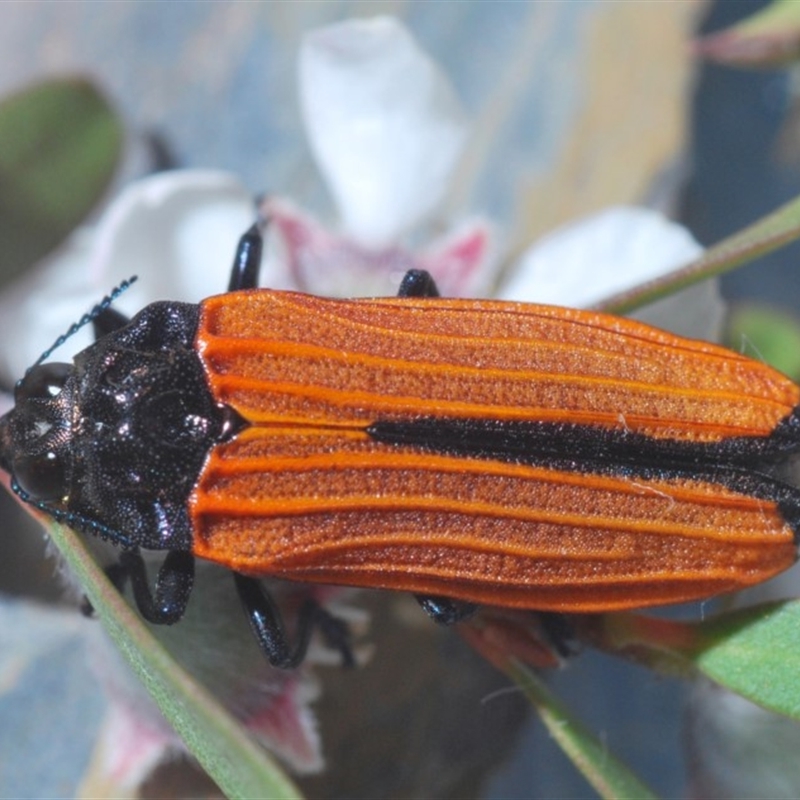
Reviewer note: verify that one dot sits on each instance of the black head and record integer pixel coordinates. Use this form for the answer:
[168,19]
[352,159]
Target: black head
[35,435]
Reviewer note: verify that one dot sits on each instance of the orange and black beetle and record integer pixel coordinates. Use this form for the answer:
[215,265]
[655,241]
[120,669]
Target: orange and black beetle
[468,451]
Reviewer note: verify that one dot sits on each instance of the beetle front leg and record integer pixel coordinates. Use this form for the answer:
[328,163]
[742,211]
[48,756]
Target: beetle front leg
[165,605]
[270,630]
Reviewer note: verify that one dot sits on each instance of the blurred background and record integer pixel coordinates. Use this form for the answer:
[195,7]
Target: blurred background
[574,106]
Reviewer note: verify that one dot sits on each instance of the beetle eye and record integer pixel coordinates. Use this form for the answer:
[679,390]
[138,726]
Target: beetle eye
[43,382]
[42,476]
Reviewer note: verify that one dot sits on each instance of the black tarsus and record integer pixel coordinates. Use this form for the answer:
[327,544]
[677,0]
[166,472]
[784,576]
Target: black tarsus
[167,603]
[418,283]
[559,631]
[445,610]
[270,631]
[247,261]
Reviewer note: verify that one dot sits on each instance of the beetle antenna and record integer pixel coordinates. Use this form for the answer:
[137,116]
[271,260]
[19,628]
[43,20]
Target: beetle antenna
[91,316]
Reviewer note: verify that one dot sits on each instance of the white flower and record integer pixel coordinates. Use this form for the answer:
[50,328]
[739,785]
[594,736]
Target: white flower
[384,124]
[589,260]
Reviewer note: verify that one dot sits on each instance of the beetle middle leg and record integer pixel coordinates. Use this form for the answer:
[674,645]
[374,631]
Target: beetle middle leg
[270,630]
[418,283]
[559,632]
[444,610]
[247,261]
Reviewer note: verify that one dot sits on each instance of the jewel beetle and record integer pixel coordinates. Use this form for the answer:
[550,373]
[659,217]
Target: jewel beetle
[472,452]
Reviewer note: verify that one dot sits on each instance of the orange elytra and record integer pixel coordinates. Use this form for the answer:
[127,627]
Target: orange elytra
[468,451]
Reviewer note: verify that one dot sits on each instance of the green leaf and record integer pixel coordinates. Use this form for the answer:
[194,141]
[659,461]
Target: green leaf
[59,146]
[768,38]
[769,233]
[240,767]
[767,335]
[608,776]
[755,652]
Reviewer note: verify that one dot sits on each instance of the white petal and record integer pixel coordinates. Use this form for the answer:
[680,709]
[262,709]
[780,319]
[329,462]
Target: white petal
[383,123]
[42,304]
[176,230]
[586,261]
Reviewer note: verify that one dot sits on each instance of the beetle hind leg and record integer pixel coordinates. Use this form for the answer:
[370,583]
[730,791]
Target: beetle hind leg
[559,632]
[444,610]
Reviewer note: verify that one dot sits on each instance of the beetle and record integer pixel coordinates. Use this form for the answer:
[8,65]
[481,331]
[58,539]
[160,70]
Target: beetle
[472,452]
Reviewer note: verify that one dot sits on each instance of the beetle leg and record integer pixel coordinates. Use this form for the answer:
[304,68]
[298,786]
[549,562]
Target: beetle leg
[247,261]
[418,283]
[167,604]
[444,610]
[336,633]
[560,632]
[270,631]
[108,321]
